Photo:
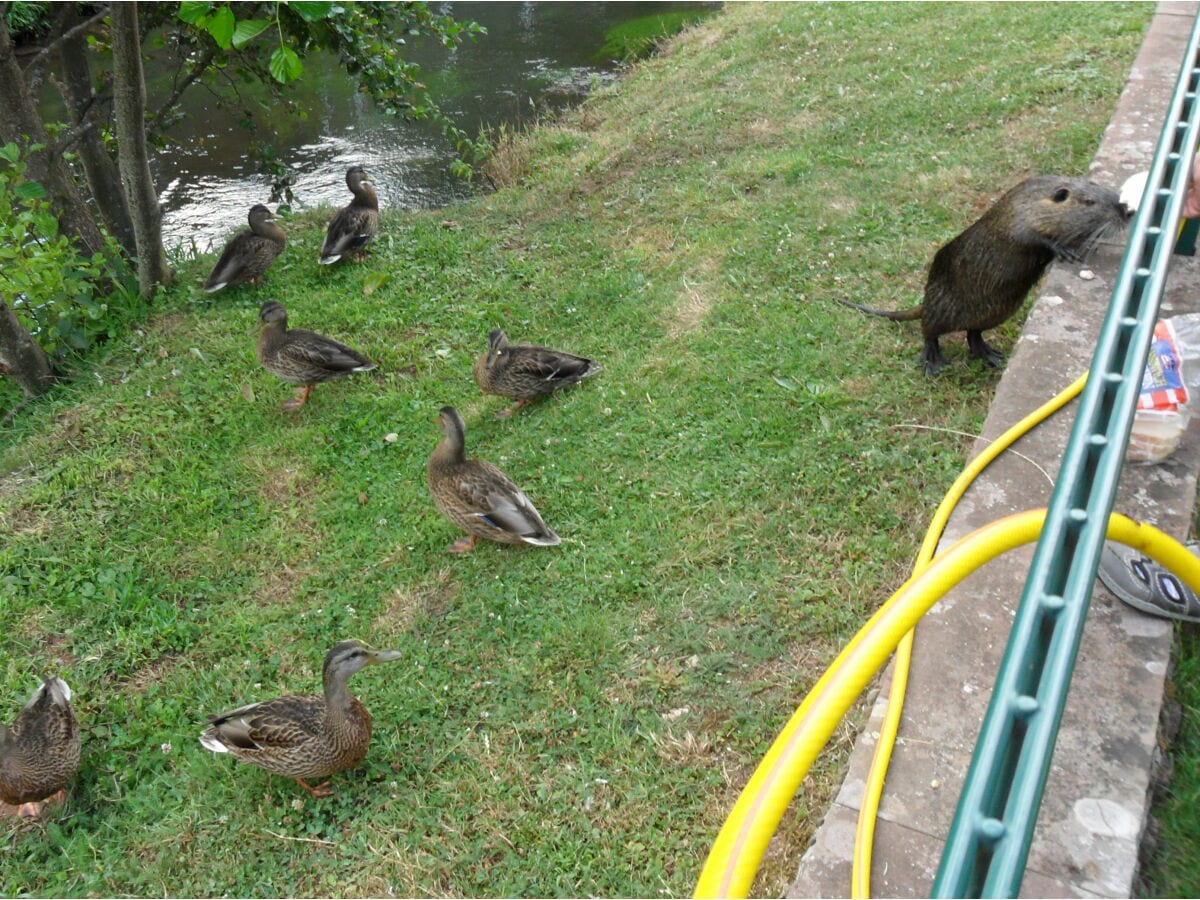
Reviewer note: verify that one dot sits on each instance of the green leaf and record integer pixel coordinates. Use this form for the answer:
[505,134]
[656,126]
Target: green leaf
[30,190]
[285,65]
[247,30]
[374,282]
[10,152]
[193,12]
[312,12]
[220,25]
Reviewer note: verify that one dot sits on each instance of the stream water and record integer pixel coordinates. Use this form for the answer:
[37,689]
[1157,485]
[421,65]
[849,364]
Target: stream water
[535,58]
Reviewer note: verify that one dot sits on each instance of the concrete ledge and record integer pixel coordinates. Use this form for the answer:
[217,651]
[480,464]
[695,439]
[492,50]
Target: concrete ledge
[1097,797]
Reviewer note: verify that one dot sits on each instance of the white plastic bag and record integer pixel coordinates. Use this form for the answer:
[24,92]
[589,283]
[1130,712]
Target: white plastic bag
[1169,382]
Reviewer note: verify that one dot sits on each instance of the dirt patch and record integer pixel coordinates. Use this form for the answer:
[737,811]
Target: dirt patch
[282,484]
[287,489]
[692,303]
[25,520]
[407,606]
[150,673]
[54,651]
[279,585]
[167,324]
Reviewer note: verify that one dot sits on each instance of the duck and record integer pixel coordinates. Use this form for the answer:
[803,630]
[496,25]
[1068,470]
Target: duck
[477,497]
[39,752]
[304,736]
[525,372]
[249,254]
[354,225]
[303,357]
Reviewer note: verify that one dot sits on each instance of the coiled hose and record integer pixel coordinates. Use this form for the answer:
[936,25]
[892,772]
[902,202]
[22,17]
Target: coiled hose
[864,835]
[735,855]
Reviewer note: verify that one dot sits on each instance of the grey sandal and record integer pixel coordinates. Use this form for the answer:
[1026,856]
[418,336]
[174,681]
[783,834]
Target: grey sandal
[1145,585]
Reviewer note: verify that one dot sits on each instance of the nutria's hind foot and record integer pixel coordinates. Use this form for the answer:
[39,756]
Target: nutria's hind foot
[981,349]
[932,357]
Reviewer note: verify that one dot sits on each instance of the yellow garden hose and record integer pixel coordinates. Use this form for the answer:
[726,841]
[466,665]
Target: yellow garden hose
[864,835]
[735,855]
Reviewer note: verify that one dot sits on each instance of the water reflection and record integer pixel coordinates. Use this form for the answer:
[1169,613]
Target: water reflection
[535,57]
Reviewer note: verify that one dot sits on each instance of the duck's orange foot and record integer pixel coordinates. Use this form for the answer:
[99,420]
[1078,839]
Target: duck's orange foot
[505,413]
[298,401]
[35,809]
[463,544]
[321,790]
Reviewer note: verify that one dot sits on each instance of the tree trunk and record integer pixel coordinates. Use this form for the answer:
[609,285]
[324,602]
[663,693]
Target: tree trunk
[22,356]
[21,124]
[133,159]
[102,175]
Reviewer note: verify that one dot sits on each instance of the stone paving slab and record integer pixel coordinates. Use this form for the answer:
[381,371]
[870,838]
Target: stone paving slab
[1097,796]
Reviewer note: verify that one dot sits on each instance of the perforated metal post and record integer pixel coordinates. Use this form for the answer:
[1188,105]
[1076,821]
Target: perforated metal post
[988,844]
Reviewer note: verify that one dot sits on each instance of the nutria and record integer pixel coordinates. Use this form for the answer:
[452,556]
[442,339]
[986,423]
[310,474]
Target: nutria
[979,279]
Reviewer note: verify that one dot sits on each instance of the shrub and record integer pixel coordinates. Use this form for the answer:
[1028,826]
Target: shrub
[68,300]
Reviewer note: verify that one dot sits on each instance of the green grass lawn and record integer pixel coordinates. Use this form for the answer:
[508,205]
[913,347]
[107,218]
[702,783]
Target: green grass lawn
[736,491]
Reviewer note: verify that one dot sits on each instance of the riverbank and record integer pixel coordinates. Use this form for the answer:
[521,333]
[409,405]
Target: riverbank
[737,490]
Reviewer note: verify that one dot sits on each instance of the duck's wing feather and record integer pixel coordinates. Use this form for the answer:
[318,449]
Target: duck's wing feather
[551,365]
[280,723]
[350,229]
[316,350]
[497,500]
[232,260]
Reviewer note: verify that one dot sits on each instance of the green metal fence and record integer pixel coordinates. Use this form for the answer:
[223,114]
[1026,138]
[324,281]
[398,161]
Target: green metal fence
[989,839]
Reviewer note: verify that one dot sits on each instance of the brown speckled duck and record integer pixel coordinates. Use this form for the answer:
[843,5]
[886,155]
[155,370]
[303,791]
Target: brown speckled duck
[354,225]
[249,254]
[303,357]
[304,736]
[479,498]
[524,372]
[39,752]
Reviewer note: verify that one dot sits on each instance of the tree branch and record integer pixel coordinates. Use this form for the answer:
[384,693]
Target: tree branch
[88,118]
[33,75]
[197,70]
[72,136]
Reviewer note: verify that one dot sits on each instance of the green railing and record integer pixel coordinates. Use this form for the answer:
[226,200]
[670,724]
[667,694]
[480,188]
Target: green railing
[989,839]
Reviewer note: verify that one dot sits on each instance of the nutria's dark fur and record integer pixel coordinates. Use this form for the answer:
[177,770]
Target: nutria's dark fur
[980,278]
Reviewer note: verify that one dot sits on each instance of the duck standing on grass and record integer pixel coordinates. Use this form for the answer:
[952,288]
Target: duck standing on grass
[479,498]
[304,736]
[39,752]
[354,225]
[249,254]
[303,357]
[524,372]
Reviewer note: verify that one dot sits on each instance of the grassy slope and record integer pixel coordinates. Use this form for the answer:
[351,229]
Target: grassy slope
[1171,871]
[733,490]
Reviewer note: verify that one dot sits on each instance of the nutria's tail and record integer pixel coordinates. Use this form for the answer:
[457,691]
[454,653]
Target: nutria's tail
[901,315]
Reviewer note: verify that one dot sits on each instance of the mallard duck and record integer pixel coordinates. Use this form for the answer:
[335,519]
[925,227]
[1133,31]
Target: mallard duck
[39,752]
[479,498]
[304,736]
[523,372]
[249,254]
[354,225]
[303,357]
